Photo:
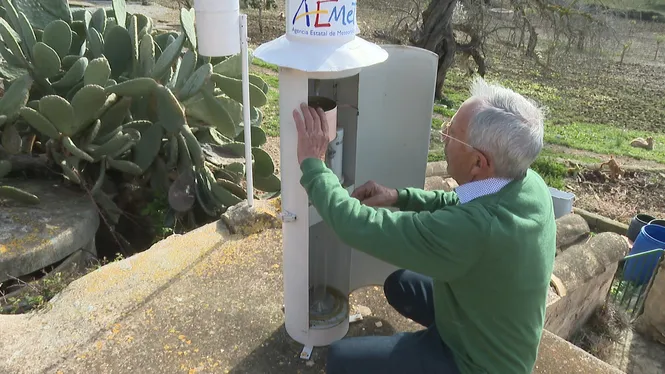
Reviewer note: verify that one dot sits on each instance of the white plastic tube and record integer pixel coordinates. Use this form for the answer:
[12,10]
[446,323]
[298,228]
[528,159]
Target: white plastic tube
[249,171]
[293,91]
[217,26]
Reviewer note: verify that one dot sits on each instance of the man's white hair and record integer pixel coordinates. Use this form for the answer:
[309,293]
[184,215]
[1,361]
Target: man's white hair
[506,126]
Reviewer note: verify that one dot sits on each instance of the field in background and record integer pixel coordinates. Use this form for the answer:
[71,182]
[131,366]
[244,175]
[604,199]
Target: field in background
[595,105]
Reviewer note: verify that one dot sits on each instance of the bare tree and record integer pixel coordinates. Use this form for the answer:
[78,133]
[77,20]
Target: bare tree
[261,5]
[659,40]
[436,34]
[464,27]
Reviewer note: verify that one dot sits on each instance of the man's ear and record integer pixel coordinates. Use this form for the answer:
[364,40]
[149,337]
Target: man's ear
[481,165]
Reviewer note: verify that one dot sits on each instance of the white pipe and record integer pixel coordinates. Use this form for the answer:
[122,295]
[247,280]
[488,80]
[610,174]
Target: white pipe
[293,90]
[249,172]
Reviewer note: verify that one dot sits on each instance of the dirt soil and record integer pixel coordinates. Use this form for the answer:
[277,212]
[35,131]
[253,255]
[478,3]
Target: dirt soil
[622,197]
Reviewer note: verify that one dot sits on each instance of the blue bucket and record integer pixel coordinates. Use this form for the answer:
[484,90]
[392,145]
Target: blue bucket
[640,269]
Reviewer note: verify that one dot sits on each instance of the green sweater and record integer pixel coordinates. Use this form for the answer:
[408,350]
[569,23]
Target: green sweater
[491,260]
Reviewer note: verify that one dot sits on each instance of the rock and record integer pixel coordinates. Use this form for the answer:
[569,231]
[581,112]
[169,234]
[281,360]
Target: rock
[435,183]
[33,237]
[437,169]
[245,221]
[449,184]
[363,310]
[570,229]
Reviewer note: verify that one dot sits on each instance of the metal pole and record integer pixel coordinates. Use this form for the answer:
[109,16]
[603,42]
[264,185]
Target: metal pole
[249,172]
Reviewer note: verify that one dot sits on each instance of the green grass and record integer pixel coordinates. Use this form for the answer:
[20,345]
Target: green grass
[546,152]
[552,172]
[266,65]
[605,140]
[271,109]
[443,110]
[598,138]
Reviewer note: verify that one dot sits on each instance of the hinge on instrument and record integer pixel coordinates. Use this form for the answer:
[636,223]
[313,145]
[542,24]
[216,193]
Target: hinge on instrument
[287,216]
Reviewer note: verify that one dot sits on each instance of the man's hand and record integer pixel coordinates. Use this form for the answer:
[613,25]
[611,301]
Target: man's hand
[376,195]
[312,133]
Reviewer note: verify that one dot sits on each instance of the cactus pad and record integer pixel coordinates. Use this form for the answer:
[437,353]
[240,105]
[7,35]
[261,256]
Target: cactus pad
[168,57]
[187,21]
[97,72]
[98,21]
[146,55]
[16,96]
[120,12]
[233,88]
[58,35]
[95,43]
[136,87]
[86,103]
[10,192]
[59,112]
[73,75]
[170,113]
[118,49]
[46,60]
[11,140]
[195,82]
[149,146]
[40,123]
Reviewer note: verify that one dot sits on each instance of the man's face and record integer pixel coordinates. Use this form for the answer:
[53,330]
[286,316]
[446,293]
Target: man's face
[463,160]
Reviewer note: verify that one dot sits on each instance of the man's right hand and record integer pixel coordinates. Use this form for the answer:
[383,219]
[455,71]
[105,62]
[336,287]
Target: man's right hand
[376,195]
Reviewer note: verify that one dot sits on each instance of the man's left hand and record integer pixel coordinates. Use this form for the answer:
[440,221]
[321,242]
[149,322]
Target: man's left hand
[312,133]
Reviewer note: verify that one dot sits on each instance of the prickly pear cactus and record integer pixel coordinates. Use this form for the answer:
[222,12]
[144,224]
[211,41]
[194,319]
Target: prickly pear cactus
[111,98]
[42,12]
[12,143]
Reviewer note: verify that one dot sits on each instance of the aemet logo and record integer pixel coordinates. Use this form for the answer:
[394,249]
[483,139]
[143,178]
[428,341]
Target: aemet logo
[330,18]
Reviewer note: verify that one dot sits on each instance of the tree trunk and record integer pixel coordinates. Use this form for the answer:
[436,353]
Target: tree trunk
[533,41]
[446,53]
[657,48]
[261,19]
[436,35]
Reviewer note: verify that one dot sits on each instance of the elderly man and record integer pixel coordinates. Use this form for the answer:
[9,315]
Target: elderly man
[477,262]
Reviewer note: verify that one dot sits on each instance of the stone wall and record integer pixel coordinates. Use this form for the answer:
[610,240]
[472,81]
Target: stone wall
[652,322]
[557,356]
[583,274]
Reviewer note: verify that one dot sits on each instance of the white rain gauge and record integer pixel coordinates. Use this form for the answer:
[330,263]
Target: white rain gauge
[222,31]
[378,101]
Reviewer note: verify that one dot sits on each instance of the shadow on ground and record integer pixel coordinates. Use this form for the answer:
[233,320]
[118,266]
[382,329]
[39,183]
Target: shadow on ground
[281,354]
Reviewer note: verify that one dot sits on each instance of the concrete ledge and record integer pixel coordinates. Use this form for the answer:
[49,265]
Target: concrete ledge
[599,223]
[91,305]
[204,302]
[557,356]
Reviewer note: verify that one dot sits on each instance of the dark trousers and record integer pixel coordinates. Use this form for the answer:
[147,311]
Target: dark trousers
[421,352]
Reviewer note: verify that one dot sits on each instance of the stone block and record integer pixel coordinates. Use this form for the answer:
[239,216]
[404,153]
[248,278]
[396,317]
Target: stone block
[570,229]
[244,220]
[586,271]
[599,223]
[437,169]
[33,237]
